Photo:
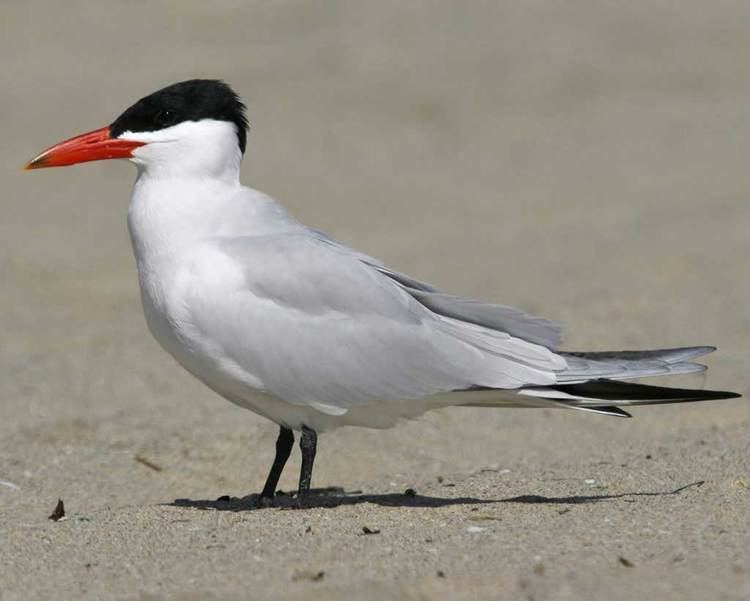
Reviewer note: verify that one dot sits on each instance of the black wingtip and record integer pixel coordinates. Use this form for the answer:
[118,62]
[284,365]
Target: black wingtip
[728,395]
[617,411]
[641,394]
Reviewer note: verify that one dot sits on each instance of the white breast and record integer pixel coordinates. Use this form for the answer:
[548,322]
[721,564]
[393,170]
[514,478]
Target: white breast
[174,226]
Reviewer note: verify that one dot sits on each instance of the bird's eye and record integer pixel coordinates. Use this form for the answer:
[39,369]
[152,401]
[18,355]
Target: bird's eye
[166,117]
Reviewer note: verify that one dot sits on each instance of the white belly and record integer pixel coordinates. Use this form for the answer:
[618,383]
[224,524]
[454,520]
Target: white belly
[161,295]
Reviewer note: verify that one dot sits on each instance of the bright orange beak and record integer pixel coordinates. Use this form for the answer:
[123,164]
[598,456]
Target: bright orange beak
[92,146]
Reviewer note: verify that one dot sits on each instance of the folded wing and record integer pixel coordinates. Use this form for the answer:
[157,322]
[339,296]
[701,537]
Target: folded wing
[315,324]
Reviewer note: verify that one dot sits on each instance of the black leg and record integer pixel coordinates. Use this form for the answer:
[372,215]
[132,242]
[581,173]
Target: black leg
[284,444]
[307,444]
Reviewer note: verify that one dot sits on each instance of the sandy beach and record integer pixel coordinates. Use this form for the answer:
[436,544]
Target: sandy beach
[585,161]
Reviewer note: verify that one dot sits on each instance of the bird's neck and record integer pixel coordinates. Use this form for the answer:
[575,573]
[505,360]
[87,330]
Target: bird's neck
[192,168]
[167,215]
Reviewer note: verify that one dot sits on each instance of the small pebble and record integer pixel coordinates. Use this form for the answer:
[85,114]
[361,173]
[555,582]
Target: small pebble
[309,575]
[366,530]
[59,512]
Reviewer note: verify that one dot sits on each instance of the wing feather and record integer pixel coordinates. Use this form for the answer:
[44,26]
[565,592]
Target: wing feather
[318,326]
[515,322]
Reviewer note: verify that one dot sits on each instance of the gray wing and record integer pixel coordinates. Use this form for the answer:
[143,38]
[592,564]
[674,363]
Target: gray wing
[314,324]
[581,367]
[515,322]
[496,317]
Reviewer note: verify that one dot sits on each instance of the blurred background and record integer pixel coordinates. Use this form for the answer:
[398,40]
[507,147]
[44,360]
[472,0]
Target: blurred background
[584,160]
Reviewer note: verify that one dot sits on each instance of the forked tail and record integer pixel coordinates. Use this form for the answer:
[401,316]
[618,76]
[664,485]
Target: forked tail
[593,382]
[610,396]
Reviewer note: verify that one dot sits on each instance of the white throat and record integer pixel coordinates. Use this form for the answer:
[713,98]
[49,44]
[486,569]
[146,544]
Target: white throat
[190,150]
[188,177]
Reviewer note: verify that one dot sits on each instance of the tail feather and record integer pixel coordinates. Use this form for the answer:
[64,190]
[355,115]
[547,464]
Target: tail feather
[669,355]
[593,382]
[625,365]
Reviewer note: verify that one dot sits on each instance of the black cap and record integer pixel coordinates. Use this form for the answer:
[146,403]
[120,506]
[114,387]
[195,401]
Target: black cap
[191,100]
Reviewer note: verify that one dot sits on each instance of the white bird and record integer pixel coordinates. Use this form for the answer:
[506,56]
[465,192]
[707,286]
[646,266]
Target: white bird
[283,320]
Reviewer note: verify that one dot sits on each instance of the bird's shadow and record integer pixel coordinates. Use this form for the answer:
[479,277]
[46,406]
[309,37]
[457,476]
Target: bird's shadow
[578,499]
[337,496]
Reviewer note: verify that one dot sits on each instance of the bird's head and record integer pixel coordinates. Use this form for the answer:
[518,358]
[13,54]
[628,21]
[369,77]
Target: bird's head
[197,126]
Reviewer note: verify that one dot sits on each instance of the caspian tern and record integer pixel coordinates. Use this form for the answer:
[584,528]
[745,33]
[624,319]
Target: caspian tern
[283,320]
